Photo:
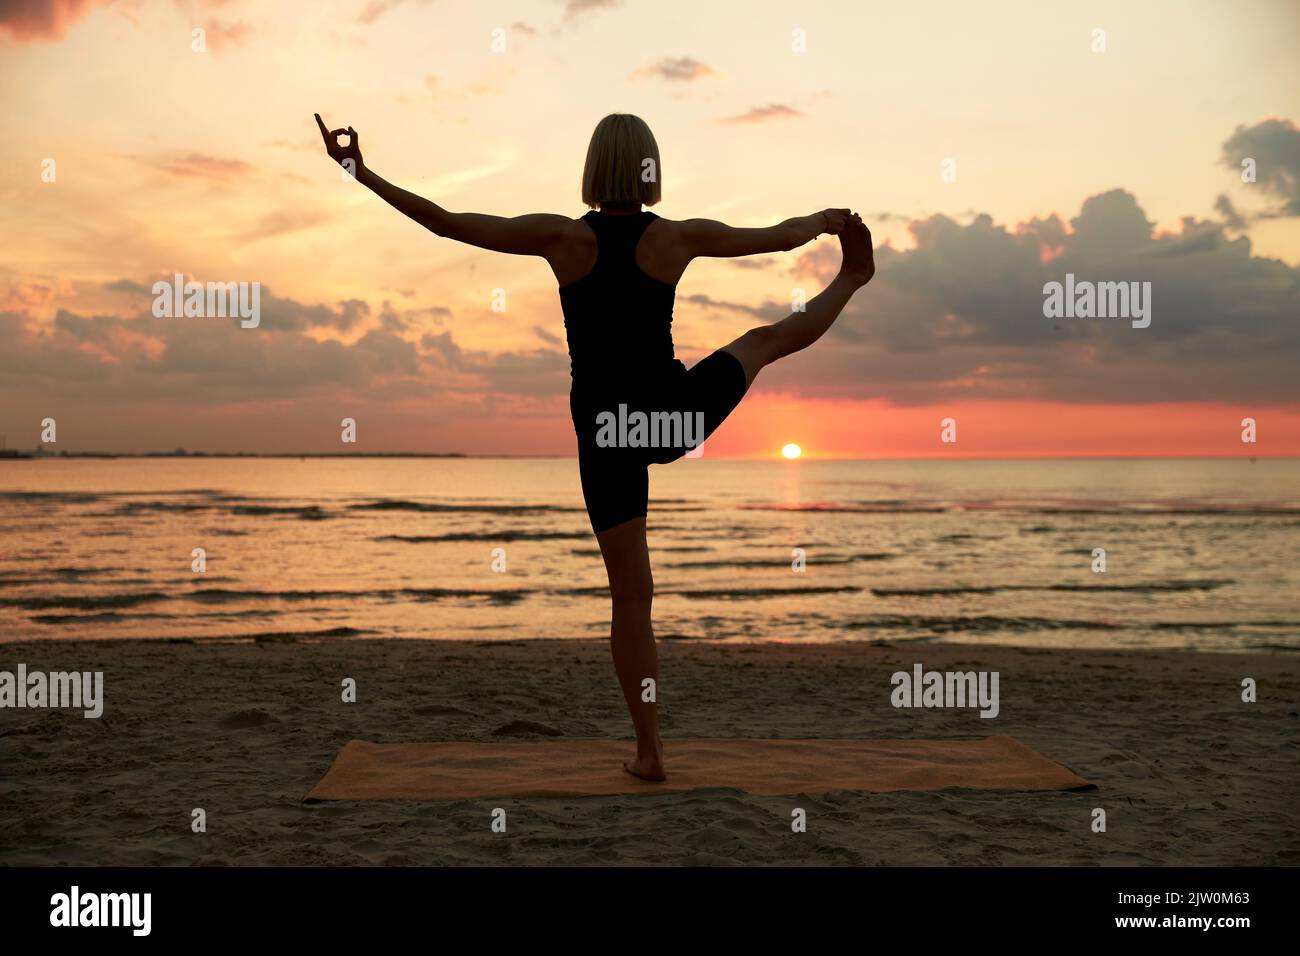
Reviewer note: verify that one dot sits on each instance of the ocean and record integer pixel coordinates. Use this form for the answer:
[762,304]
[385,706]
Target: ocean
[1199,554]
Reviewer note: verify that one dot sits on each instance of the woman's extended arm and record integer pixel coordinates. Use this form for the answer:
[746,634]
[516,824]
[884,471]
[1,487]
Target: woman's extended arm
[537,234]
[708,238]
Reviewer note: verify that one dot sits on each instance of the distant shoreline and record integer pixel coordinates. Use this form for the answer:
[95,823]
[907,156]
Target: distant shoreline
[15,455]
[11,454]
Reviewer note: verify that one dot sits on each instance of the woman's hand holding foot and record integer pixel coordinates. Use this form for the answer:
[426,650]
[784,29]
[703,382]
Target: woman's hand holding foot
[834,221]
[859,263]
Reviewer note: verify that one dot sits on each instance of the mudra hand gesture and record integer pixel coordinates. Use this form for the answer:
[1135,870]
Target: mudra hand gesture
[348,156]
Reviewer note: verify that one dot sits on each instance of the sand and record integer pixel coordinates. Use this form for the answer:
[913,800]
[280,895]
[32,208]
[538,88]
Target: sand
[1186,772]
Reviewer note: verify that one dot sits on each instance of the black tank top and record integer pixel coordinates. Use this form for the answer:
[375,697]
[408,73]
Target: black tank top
[618,320]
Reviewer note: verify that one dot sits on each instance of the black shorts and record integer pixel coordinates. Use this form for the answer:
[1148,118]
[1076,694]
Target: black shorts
[678,410]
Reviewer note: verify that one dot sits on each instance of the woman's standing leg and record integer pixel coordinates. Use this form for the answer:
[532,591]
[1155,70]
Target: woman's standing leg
[632,639]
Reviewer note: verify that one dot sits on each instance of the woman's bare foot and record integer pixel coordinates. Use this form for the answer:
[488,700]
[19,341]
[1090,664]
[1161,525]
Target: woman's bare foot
[648,766]
[859,263]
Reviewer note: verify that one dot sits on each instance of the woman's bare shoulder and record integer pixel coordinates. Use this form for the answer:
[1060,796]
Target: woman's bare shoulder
[667,230]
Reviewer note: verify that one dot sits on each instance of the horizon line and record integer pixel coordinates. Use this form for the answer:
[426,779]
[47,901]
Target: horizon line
[19,455]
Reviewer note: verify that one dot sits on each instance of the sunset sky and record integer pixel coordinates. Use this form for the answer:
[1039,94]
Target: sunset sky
[1122,165]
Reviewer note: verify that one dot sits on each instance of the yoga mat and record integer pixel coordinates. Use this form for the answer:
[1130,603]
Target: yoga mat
[457,770]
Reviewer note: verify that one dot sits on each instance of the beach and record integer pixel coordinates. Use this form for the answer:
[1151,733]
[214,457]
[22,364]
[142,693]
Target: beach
[1120,605]
[1187,773]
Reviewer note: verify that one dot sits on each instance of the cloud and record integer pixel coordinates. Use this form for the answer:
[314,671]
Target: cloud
[577,8]
[103,358]
[957,316]
[390,320]
[675,68]
[549,338]
[290,315]
[961,315]
[763,312]
[106,358]
[199,166]
[761,114]
[377,8]
[35,21]
[1274,146]
[444,347]
[1232,219]
[754,263]
[128,285]
[33,294]
[222,36]
[535,373]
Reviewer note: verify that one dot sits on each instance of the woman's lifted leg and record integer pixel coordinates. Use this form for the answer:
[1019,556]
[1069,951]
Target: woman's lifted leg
[767,343]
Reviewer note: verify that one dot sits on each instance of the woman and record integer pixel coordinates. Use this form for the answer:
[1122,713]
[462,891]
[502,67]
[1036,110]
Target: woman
[617,269]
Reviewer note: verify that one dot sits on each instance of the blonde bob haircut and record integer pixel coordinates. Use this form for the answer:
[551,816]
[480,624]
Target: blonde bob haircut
[622,163]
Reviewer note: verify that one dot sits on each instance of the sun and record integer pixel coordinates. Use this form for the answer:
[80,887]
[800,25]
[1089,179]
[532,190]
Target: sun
[791,451]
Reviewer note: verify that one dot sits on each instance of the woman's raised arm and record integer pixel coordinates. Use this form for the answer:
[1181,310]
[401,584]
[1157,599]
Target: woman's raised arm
[711,239]
[536,234]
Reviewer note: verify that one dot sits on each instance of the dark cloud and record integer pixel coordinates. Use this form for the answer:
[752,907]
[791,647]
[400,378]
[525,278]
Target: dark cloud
[390,320]
[548,337]
[961,315]
[386,354]
[104,358]
[767,313]
[1274,145]
[289,315]
[87,330]
[281,315]
[1232,219]
[537,373]
[444,348]
[129,285]
[437,313]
